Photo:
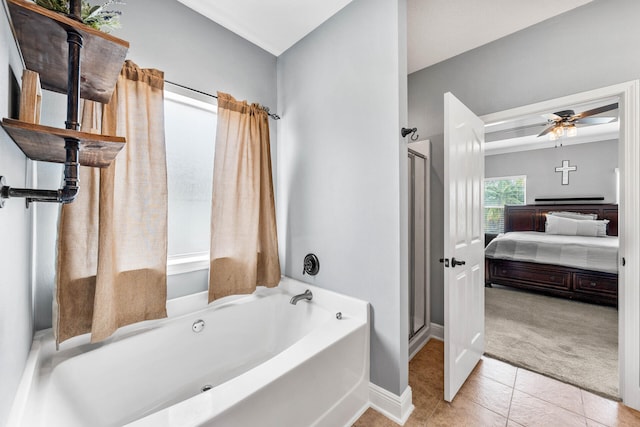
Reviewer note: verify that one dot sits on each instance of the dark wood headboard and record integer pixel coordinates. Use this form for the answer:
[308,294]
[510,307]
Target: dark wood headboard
[532,217]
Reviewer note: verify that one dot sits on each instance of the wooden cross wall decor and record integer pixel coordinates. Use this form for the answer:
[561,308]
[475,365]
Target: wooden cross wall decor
[565,169]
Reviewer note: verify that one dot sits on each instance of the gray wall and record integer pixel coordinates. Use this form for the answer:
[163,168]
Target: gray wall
[192,51]
[16,325]
[343,193]
[520,69]
[342,174]
[595,176]
[196,52]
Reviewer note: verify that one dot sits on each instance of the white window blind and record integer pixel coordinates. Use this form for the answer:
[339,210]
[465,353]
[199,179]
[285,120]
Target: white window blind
[190,129]
[498,192]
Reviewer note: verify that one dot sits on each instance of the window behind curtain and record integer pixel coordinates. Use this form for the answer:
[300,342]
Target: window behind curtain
[190,129]
[498,192]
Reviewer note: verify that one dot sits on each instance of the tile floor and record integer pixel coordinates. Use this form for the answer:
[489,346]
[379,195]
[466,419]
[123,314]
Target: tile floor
[498,394]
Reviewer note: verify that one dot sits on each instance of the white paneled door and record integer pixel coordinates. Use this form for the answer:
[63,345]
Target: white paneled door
[463,243]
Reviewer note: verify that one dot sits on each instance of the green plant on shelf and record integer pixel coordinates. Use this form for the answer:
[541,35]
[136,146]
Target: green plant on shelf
[95,16]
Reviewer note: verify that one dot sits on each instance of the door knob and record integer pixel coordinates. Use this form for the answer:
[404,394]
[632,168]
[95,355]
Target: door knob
[455,262]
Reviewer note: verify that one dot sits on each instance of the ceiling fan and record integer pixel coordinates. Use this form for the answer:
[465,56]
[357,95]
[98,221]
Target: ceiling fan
[564,122]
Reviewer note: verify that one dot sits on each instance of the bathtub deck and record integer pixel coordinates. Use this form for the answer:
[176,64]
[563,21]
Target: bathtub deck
[251,362]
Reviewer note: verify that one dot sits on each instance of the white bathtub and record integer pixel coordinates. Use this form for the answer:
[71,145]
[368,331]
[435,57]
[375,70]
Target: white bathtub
[266,362]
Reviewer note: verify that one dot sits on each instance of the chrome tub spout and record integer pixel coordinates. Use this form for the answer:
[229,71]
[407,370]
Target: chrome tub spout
[306,295]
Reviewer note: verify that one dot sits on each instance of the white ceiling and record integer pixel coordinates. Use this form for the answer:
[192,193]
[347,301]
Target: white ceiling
[437,29]
[441,29]
[274,25]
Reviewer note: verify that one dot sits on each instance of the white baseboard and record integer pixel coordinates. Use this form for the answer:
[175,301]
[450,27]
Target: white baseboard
[418,341]
[396,408]
[437,331]
[399,408]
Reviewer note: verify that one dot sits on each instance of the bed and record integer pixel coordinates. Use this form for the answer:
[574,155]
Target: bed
[576,267]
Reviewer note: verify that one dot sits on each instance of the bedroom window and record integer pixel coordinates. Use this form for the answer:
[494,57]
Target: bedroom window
[190,129]
[498,192]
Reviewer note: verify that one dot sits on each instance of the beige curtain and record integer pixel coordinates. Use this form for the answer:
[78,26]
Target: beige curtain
[244,242]
[112,241]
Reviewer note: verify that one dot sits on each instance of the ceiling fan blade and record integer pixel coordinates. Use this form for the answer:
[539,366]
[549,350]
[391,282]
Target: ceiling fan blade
[551,117]
[594,120]
[519,131]
[547,130]
[598,110]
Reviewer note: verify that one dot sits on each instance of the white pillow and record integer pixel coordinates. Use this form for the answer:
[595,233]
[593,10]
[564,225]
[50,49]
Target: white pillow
[574,215]
[576,227]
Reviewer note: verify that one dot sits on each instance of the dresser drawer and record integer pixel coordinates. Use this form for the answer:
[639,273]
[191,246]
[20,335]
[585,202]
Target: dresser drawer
[538,275]
[597,283]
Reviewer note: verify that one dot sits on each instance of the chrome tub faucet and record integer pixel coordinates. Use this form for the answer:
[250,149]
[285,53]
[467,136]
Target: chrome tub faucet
[306,295]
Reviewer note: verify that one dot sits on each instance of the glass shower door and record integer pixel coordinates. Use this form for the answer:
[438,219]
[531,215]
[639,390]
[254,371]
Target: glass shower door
[417,243]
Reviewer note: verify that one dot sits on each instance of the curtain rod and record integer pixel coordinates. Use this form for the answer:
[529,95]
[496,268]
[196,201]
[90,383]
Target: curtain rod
[274,116]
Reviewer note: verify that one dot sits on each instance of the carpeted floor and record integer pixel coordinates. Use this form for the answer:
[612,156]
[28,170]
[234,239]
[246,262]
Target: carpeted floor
[571,341]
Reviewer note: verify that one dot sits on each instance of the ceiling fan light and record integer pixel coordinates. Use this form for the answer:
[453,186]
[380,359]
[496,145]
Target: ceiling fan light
[572,130]
[559,131]
[552,136]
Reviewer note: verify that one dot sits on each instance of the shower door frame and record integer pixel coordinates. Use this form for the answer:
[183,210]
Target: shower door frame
[417,338]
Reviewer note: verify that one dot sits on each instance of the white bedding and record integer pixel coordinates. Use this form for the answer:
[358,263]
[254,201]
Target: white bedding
[589,253]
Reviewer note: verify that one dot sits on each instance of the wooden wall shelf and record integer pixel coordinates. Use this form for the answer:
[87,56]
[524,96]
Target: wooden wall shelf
[44,143]
[42,36]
